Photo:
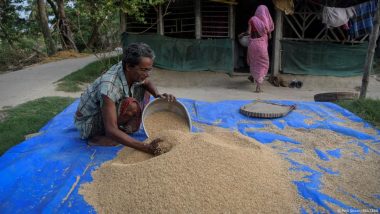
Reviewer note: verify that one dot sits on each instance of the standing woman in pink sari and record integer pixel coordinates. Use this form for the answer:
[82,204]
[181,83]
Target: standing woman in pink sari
[260,27]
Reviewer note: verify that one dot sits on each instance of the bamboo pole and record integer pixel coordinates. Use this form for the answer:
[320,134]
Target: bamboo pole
[277,43]
[160,29]
[198,22]
[123,22]
[370,54]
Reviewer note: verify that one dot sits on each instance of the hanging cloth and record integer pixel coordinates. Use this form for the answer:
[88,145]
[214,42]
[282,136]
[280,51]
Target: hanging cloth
[335,17]
[362,23]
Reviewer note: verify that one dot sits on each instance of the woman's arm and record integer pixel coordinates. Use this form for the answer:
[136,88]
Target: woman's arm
[113,132]
[249,30]
[151,88]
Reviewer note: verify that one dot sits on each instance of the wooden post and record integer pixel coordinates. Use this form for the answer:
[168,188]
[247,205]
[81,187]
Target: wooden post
[276,55]
[231,32]
[231,23]
[198,23]
[160,29]
[123,24]
[370,54]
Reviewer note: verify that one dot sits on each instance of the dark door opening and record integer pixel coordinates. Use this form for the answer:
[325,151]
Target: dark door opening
[244,11]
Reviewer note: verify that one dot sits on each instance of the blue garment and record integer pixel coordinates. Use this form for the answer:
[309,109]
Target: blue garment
[362,24]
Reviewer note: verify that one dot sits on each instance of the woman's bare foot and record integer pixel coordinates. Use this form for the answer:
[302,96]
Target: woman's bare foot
[258,89]
[101,141]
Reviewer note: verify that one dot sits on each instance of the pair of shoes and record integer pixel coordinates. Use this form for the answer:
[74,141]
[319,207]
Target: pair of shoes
[284,83]
[274,81]
[296,84]
[277,81]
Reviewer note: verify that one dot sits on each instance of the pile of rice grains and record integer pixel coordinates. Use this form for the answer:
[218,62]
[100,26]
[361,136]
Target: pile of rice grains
[213,171]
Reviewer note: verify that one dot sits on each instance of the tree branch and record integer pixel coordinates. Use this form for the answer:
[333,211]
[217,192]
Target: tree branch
[153,24]
[53,7]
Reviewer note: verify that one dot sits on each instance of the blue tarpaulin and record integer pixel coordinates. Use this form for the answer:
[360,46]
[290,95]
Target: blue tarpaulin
[43,174]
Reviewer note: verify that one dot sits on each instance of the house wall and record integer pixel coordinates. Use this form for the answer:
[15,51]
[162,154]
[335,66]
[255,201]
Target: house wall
[308,47]
[211,20]
[187,54]
[179,20]
[188,37]
[244,10]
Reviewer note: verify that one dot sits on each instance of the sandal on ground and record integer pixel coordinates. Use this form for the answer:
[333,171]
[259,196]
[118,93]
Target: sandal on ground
[299,84]
[293,84]
[283,83]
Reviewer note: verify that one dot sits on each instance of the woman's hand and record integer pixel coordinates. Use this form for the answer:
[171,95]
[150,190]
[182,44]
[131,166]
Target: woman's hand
[153,147]
[243,34]
[166,96]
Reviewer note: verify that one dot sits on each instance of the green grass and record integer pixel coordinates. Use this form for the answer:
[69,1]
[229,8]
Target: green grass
[28,118]
[368,109]
[73,81]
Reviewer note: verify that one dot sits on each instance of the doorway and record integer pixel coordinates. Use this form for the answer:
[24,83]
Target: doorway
[244,10]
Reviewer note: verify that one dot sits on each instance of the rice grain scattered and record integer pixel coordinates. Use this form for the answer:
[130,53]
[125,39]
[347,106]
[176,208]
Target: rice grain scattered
[216,171]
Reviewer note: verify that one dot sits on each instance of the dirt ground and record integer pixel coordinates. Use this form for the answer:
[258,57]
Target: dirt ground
[215,86]
[40,81]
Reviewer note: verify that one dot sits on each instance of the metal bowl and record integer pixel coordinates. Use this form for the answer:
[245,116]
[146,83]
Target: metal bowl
[244,39]
[163,105]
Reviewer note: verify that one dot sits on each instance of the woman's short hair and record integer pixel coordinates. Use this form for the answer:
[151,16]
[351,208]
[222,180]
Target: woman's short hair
[134,52]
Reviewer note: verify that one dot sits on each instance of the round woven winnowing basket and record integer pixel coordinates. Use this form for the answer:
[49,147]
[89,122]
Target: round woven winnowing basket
[335,96]
[261,109]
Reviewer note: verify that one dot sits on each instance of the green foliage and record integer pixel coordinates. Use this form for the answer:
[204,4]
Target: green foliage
[20,36]
[80,26]
[32,27]
[11,56]
[368,109]
[28,118]
[11,25]
[87,15]
[73,81]
[8,56]
[137,8]
[104,14]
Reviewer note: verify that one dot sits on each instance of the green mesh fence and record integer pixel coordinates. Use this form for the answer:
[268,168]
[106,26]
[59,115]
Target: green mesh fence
[188,54]
[323,58]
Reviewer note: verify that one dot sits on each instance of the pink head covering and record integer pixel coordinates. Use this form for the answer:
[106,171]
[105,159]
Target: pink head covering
[262,20]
